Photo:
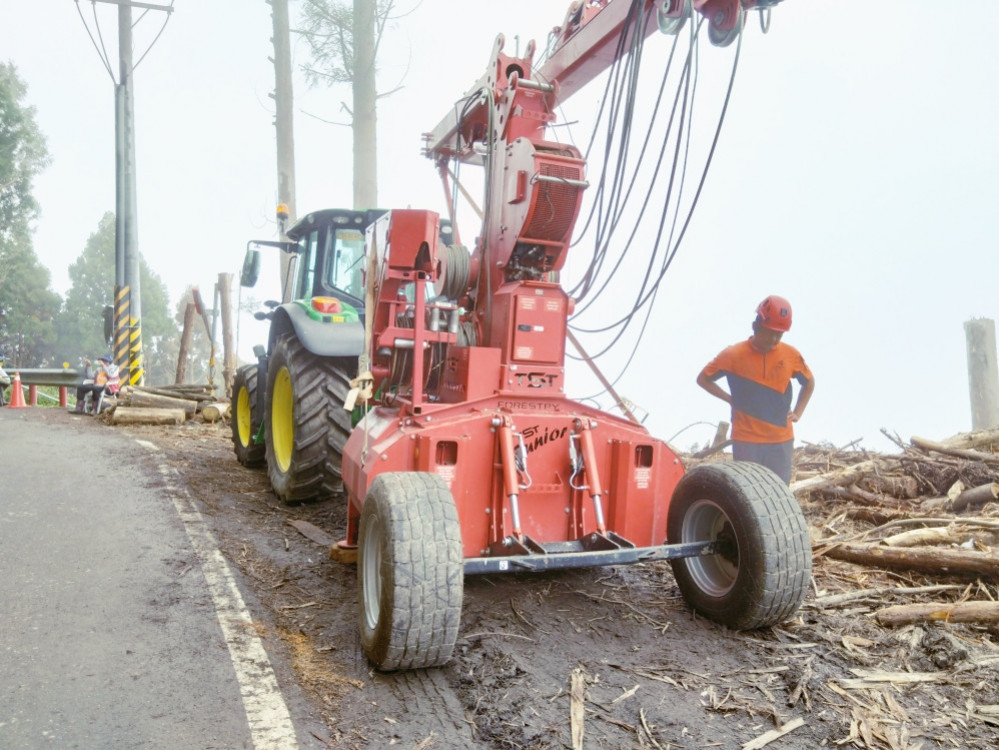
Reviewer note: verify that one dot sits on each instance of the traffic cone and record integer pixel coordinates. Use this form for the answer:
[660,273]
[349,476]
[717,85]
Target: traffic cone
[16,394]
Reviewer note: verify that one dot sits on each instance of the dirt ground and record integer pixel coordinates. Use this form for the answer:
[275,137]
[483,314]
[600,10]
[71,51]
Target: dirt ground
[653,675]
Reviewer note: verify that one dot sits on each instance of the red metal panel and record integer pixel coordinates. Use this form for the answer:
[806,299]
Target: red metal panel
[459,443]
[643,474]
[409,231]
[539,326]
[470,373]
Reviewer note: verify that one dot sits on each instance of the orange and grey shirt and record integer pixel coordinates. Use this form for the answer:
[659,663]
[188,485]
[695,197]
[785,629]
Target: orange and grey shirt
[760,385]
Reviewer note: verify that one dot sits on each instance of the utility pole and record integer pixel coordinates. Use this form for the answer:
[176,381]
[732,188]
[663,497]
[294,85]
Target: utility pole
[127,295]
[127,330]
[285,126]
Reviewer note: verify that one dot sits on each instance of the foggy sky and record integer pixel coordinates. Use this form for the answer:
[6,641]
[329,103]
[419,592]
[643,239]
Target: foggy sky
[855,176]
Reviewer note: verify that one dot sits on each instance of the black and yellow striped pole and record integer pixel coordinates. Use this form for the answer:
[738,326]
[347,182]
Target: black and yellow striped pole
[127,339]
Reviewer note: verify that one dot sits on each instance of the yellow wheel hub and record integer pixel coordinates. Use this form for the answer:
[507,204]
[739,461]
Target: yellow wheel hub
[243,425]
[283,419]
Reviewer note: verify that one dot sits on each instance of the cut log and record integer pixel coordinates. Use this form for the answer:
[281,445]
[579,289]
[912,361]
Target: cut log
[925,559]
[140,415]
[896,485]
[907,614]
[985,493]
[923,537]
[971,455]
[155,401]
[975,439]
[190,391]
[214,412]
[842,476]
[850,597]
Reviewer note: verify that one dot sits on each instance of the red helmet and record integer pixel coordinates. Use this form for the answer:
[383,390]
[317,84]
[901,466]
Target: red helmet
[774,313]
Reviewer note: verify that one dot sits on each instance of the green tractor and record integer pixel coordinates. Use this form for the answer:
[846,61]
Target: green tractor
[287,409]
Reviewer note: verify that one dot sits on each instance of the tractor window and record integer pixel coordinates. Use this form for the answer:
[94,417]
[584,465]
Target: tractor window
[307,247]
[346,263]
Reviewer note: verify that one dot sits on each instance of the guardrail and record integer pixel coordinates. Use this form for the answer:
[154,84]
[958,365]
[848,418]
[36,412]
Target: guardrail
[60,377]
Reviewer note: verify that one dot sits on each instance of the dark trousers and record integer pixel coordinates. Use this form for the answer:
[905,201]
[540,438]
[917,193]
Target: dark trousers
[775,456]
[83,390]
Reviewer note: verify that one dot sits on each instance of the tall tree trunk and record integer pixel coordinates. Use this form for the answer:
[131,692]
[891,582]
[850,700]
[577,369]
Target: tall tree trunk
[365,116]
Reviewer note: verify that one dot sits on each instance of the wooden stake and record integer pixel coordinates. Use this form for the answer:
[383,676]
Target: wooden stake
[577,692]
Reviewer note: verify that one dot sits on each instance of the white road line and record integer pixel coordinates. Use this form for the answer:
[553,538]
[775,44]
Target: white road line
[266,711]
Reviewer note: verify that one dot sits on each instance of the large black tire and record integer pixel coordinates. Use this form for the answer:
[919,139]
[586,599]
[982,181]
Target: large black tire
[763,573]
[305,421]
[410,572]
[245,419]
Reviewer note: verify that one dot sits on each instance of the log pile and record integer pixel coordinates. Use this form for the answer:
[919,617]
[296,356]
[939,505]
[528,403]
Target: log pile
[930,512]
[165,405]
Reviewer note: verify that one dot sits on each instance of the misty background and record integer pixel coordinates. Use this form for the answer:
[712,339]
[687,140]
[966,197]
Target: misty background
[854,175]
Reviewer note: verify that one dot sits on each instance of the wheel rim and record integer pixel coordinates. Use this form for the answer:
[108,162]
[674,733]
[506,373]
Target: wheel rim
[243,417]
[283,419]
[723,38]
[371,566]
[713,574]
[669,25]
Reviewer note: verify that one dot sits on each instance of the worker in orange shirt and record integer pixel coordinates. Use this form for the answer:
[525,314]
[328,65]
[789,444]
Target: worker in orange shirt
[759,373]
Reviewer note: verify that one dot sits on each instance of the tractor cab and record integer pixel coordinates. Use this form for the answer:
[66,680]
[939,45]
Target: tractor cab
[329,252]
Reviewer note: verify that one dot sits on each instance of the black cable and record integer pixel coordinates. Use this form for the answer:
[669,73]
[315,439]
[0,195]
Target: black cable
[647,299]
[654,179]
[611,93]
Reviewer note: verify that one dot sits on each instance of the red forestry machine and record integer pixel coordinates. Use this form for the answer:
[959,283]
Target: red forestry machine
[470,458]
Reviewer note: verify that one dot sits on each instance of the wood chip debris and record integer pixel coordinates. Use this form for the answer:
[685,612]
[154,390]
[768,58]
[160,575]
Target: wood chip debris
[900,638]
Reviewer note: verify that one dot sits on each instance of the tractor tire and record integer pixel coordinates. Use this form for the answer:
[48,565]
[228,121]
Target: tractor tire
[244,420]
[410,572]
[762,575]
[304,424]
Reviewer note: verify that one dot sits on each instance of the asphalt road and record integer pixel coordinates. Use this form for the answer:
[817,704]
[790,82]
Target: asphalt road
[121,626]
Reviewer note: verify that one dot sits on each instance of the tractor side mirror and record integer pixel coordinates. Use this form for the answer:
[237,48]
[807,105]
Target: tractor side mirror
[251,267]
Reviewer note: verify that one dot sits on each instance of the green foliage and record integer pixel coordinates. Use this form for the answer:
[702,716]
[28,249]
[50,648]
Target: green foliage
[327,26]
[23,155]
[81,326]
[27,306]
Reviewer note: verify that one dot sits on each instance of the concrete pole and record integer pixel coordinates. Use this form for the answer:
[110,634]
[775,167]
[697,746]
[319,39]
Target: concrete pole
[983,373]
[127,241]
[285,126]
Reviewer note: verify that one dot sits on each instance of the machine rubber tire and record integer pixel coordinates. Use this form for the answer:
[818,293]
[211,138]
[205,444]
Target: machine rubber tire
[410,571]
[763,576]
[244,404]
[304,421]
